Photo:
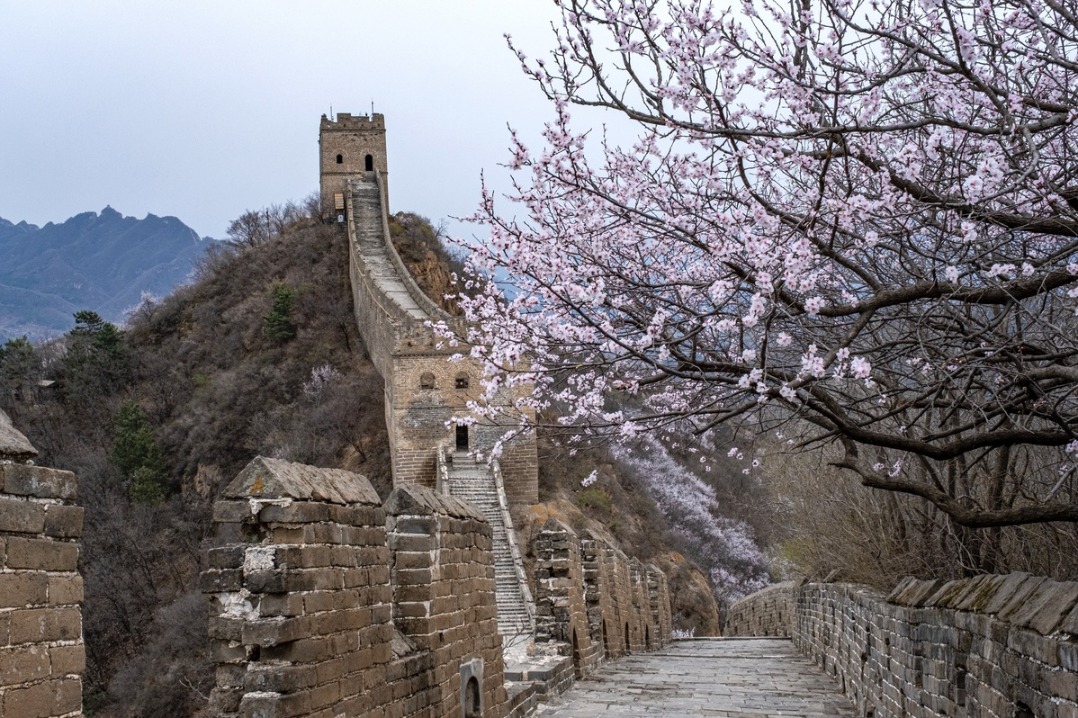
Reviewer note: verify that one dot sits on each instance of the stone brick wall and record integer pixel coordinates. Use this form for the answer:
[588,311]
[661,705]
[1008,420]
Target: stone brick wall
[403,348]
[764,613]
[603,619]
[990,646]
[324,603]
[561,606]
[588,587]
[443,597]
[662,624]
[42,657]
[299,594]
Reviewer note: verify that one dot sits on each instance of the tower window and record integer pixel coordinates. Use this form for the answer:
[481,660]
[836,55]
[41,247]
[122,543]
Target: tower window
[340,159]
[368,163]
[426,381]
[461,382]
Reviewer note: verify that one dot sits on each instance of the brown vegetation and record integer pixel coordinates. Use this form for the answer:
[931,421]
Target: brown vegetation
[209,379]
[260,354]
[827,523]
[422,249]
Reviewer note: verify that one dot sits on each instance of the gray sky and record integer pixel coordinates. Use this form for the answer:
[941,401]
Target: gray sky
[204,108]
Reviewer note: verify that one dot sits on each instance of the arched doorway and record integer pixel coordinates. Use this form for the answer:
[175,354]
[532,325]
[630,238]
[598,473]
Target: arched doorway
[628,646]
[647,637]
[368,163]
[462,437]
[340,159]
[473,699]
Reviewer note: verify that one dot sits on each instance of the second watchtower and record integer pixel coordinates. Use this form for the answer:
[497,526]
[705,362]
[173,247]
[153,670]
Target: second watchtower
[349,145]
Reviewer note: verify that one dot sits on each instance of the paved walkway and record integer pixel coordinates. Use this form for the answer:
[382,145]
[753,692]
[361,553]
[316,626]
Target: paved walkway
[732,677]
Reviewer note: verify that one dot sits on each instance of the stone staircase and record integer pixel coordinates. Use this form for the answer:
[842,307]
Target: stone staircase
[476,484]
[371,240]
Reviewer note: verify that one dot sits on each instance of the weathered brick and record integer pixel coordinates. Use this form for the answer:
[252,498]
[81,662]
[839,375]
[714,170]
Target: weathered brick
[67,659]
[49,698]
[21,516]
[298,512]
[273,632]
[232,512]
[226,556]
[67,696]
[65,590]
[22,664]
[18,590]
[63,521]
[41,554]
[37,481]
[34,625]
[217,581]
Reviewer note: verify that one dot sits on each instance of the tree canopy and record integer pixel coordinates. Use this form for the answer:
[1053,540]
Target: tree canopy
[860,216]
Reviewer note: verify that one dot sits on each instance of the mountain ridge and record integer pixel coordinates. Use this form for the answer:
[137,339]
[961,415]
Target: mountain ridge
[104,261]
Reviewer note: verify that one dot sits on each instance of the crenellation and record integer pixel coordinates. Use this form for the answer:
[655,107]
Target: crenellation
[588,589]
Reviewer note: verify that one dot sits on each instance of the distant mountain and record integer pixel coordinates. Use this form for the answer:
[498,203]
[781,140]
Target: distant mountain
[104,262]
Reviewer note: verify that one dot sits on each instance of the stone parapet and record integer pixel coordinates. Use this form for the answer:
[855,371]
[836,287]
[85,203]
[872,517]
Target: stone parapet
[443,596]
[324,603]
[593,601]
[42,657]
[299,594]
[985,647]
[765,613]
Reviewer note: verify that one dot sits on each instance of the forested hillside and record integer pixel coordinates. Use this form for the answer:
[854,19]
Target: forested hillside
[259,355]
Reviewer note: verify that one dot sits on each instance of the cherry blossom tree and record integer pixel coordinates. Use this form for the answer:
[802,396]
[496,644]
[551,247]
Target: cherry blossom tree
[858,215]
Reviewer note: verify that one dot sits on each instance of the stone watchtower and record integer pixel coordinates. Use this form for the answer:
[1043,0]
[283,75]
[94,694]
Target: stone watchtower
[348,146]
[427,392]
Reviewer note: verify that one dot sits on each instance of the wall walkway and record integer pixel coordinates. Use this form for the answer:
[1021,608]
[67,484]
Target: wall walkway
[706,677]
[989,646]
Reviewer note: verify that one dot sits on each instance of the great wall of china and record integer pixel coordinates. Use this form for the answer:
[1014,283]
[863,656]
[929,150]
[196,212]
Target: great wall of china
[326,601]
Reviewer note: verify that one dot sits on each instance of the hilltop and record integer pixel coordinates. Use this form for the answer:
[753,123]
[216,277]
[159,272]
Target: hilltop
[258,354]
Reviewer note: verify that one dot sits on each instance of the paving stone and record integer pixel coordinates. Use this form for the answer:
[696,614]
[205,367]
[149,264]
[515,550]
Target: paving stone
[711,677]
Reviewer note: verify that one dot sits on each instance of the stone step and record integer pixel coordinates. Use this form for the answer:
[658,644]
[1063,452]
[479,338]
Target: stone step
[475,484]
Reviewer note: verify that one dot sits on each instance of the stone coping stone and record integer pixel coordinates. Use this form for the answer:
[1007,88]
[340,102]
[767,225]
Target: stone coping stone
[14,446]
[265,478]
[1004,591]
[1069,625]
[1029,589]
[415,500]
[980,593]
[916,592]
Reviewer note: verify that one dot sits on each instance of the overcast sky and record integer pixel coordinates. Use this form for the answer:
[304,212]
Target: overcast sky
[202,109]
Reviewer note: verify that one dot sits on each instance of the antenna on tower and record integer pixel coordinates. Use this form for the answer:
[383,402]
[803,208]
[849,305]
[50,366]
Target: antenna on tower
[372,107]
[331,117]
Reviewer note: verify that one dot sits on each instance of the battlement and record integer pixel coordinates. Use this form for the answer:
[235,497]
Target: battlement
[348,122]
